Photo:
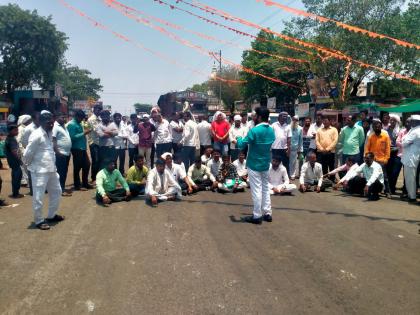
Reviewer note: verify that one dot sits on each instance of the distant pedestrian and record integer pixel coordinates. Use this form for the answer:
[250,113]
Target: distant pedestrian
[93,140]
[189,140]
[296,147]
[107,131]
[62,149]
[204,133]
[120,141]
[283,135]
[13,156]
[259,140]
[146,129]
[351,139]
[162,136]
[326,142]
[177,128]
[237,130]
[132,139]
[40,158]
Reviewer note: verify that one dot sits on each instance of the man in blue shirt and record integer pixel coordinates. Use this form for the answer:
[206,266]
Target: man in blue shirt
[259,139]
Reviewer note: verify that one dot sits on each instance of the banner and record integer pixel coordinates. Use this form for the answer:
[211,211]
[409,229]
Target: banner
[302,110]
[271,103]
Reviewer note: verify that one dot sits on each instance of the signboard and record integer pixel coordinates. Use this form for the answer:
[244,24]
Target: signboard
[271,103]
[319,91]
[302,110]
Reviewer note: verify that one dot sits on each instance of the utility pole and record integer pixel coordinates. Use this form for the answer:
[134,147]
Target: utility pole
[220,74]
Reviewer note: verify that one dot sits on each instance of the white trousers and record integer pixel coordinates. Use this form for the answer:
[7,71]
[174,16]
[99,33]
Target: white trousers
[410,181]
[260,193]
[172,191]
[42,182]
[288,188]
[293,164]
[24,180]
[146,152]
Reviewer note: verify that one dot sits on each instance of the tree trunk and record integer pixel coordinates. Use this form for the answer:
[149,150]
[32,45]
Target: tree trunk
[355,87]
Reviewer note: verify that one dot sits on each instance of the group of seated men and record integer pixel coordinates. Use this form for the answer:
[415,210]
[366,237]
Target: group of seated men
[169,180]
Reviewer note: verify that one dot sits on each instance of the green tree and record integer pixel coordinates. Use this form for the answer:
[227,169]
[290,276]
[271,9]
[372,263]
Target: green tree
[31,49]
[78,84]
[138,107]
[381,16]
[258,88]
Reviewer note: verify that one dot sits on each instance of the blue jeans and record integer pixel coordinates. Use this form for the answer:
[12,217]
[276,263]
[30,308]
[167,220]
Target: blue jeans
[188,156]
[137,189]
[223,148]
[16,178]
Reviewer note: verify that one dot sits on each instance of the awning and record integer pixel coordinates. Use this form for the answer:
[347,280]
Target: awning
[406,107]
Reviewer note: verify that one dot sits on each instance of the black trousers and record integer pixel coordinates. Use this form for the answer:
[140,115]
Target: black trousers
[106,154]
[393,169]
[327,160]
[203,184]
[80,162]
[94,157]
[62,164]
[121,160]
[357,184]
[116,195]
[16,178]
[132,152]
[163,148]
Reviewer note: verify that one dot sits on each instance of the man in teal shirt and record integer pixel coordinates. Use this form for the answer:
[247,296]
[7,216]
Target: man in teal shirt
[106,185]
[78,151]
[259,140]
[351,139]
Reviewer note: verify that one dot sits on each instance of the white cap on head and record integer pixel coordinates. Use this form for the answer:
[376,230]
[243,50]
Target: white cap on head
[146,116]
[43,112]
[165,155]
[396,117]
[237,117]
[296,117]
[415,117]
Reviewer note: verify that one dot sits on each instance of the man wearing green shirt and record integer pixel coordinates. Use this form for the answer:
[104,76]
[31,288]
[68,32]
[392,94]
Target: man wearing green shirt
[137,176]
[106,185]
[351,139]
[78,151]
[259,140]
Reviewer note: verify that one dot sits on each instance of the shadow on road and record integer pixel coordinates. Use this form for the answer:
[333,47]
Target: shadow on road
[348,215]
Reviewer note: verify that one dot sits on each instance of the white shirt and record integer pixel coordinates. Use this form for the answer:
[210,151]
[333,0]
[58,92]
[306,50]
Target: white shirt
[39,154]
[176,136]
[204,133]
[119,139]
[132,137]
[308,174]
[214,166]
[103,140]
[411,148]
[352,172]
[205,159]
[163,132]
[63,139]
[93,122]
[27,133]
[177,171]
[159,184]
[278,177]
[312,131]
[234,133]
[282,133]
[371,173]
[189,135]
[240,167]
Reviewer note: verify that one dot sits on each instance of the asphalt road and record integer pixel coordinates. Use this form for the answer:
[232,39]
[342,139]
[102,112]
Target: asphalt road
[323,254]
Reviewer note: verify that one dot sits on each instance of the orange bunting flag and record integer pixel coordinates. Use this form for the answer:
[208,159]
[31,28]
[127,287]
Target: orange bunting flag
[140,46]
[340,24]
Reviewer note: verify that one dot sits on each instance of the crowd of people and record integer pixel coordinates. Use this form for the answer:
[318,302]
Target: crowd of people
[169,159]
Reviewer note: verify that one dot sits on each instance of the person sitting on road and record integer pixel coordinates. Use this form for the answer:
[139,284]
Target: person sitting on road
[241,168]
[106,185]
[178,172]
[372,182]
[345,171]
[278,180]
[200,177]
[311,175]
[161,184]
[228,179]
[207,155]
[214,163]
[137,176]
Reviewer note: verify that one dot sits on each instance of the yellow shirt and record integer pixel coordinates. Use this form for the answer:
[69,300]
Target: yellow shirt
[326,139]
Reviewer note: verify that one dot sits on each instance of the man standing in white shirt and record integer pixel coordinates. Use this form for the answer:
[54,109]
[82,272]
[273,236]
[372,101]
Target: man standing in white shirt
[106,131]
[40,158]
[313,130]
[177,128]
[132,139]
[236,131]
[372,182]
[162,135]
[281,145]
[189,140]
[120,141]
[278,180]
[62,149]
[93,140]
[411,156]
[204,133]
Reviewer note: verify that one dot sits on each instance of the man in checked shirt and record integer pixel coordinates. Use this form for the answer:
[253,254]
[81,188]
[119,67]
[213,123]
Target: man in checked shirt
[228,178]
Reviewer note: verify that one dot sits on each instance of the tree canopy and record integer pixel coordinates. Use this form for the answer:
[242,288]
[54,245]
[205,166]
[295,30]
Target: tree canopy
[31,49]
[142,108]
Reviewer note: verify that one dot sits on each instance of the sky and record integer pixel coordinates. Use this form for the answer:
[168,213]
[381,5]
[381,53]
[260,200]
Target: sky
[129,74]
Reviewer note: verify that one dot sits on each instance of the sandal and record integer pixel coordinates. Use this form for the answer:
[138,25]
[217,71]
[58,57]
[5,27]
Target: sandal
[43,226]
[56,218]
